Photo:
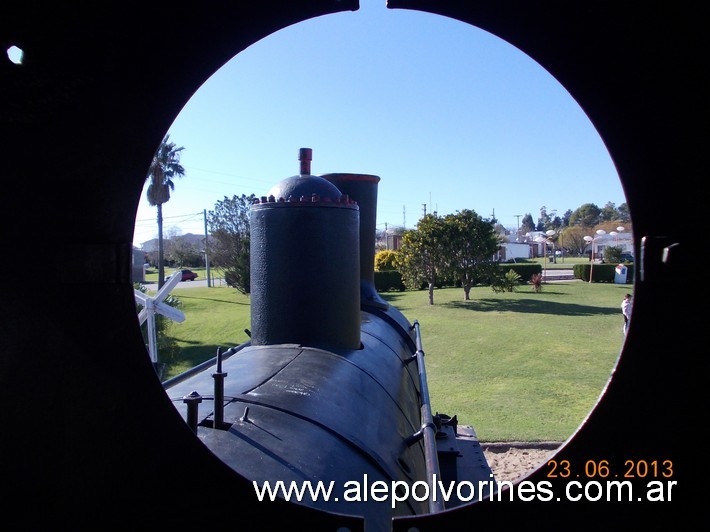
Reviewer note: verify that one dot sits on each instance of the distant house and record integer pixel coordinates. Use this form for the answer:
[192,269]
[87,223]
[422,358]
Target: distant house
[389,239]
[623,240]
[514,250]
[151,246]
[394,242]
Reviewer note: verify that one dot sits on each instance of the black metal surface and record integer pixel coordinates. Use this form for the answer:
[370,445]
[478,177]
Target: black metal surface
[352,409]
[264,448]
[247,370]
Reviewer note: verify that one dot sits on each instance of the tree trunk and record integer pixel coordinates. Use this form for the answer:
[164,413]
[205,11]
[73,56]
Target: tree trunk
[161,266]
[431,292]
[466,292]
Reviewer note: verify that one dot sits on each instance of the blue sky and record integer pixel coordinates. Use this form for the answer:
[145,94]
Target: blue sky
[446,114]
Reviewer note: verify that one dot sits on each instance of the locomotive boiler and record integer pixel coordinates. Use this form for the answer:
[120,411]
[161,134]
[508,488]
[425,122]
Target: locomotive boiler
[331,387]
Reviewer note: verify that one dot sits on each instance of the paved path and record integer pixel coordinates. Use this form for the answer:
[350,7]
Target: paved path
[558,275]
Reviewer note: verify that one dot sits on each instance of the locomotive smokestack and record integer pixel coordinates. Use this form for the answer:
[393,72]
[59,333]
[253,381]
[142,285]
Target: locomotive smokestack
[305,264]
[363,189]
[305,155]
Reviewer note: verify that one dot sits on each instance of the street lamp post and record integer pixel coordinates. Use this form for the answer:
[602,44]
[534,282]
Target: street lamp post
[616,234]
[600,232]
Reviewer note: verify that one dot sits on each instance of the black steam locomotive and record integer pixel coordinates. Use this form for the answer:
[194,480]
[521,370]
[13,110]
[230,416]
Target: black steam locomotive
[332,386]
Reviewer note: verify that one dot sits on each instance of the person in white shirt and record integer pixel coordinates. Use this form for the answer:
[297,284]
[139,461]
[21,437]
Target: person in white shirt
[626,311]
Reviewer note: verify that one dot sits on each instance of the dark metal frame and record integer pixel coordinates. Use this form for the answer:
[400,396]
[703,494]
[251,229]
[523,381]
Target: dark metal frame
[90,436]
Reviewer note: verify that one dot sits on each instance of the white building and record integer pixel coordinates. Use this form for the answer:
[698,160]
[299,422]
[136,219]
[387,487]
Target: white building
[514,250]
[623,240]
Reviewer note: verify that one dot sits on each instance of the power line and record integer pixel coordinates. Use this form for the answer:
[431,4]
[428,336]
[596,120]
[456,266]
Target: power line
[186,216]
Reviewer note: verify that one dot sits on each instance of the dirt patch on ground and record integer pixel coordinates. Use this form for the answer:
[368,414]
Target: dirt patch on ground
[514,460]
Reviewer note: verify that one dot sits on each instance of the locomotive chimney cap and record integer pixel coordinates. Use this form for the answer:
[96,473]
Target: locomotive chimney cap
[317,190]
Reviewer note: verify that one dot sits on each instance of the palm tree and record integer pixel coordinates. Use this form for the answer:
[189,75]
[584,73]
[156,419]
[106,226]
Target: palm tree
[164,167]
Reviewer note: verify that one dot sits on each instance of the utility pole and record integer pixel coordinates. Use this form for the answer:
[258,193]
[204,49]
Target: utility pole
[404,216]
[207,258]
[424,205]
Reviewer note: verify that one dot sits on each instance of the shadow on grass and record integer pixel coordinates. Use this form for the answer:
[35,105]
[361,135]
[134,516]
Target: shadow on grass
[391,297]
[524,306]
[531,306]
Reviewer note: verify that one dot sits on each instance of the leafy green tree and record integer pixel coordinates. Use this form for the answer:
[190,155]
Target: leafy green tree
[164,167]
[609,212]
[469,245]
[526,224]
[546,220]
[565,218]
[624,215]
[230,239]
[572,238]
[588,215]
[421,258]
[183,252]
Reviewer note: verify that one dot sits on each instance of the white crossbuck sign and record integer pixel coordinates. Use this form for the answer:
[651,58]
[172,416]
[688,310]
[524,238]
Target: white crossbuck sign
[153,305]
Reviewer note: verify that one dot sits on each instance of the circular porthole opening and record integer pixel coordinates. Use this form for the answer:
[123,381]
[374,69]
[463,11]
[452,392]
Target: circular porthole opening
[451,119]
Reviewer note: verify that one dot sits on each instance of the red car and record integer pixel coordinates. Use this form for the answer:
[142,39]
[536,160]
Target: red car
[187,275]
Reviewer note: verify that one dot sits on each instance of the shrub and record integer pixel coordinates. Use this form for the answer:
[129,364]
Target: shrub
[536,282]
[612,254]
[384,260]
[506,282]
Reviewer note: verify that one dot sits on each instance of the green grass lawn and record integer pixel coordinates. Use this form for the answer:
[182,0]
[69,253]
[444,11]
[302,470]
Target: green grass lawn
[214,317]
[516,366]
[561,263]
[519,366]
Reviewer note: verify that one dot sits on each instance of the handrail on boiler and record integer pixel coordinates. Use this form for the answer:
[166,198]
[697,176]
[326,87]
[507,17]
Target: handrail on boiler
[428,429]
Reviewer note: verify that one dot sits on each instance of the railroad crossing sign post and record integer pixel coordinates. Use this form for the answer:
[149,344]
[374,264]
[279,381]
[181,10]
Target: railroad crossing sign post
[153,305]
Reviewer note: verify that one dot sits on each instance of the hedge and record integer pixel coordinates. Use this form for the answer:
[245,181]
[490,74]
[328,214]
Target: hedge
[388,280]
[603,273]
[525,271]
